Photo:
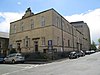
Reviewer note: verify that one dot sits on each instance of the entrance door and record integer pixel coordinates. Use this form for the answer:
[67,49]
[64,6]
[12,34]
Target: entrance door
[18,47]
[36,46]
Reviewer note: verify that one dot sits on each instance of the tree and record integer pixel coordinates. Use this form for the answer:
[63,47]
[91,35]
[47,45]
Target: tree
[99,40]
[99,43]
[93,45]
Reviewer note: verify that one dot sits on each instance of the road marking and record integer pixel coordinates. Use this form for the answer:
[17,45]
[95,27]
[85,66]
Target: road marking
[31,66]
[15,66]
[13,72]
[24,68]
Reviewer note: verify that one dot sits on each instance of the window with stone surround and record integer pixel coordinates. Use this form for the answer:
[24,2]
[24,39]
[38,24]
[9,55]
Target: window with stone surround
[57,40]
[68,43]
[26,42]
[21,26]
[42,21]
[32,24]
[14,29]
[43,40]
[57,22]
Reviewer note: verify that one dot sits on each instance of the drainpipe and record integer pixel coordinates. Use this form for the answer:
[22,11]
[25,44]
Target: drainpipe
[62,35]
[73,37]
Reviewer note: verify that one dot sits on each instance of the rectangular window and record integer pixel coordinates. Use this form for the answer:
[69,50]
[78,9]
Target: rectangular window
[21,26]
[57,40]
[58,22]
[18,47]
[27,41]
[63,25]
[42,21]
[23,42]
[32,24]
[68,43]
[14,28]
[67,28]
[43,40]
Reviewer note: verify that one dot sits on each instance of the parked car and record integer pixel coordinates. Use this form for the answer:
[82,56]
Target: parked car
[87,52]
[73,55]
[14,58]
[80,53]
[1,59]
[92,51]
[83,54]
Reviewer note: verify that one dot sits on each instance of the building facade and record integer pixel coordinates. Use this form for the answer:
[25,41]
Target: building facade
[83,27]
[44,32]
[4,42]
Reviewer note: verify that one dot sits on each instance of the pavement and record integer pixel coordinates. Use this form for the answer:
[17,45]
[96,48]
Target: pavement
[44,62]
[35,62]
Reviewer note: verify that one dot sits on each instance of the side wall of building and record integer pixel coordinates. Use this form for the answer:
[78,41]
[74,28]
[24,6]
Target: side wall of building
[70,37]
[83,27]
[4,42]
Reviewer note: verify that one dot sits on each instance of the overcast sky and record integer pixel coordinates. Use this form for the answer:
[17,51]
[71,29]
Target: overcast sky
[73,10]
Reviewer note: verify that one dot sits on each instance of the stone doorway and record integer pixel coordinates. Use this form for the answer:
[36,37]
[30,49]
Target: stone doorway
[36,46]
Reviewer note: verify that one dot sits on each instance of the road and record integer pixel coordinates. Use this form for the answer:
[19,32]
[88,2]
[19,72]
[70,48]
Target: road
[88,65]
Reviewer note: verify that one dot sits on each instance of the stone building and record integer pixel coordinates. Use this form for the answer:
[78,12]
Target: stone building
[83,27]
[44,32]
[4,42]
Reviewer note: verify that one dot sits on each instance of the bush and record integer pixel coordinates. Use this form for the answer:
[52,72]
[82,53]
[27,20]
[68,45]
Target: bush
[13,50]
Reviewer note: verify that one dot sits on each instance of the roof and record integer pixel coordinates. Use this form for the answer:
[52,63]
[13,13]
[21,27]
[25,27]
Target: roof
[77,22]
[33,15]
[4,35]
[39,13]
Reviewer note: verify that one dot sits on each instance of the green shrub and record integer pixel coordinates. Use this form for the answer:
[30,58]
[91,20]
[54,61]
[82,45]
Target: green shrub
[13,50]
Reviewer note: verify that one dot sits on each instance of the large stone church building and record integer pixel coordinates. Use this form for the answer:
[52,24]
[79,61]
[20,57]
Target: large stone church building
[47,31]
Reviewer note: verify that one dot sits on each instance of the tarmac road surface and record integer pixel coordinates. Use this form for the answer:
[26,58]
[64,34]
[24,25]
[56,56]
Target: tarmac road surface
[88,65]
